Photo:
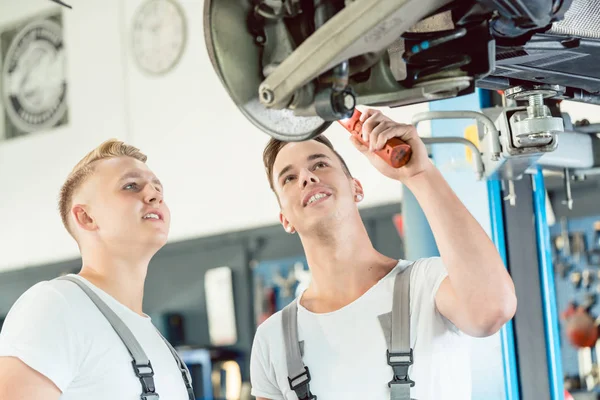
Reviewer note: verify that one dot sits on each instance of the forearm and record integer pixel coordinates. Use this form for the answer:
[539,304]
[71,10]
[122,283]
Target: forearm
[475,269]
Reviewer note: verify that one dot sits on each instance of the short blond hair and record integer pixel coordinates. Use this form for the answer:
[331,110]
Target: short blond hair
[84,169]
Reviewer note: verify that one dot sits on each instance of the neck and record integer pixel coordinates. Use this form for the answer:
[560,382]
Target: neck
[343,264]
[120,275]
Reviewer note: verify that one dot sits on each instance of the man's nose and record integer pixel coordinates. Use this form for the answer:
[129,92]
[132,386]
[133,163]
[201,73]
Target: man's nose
[152,195]
[307,177]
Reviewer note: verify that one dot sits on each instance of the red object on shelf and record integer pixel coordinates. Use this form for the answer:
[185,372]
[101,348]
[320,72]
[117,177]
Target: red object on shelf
[580,327]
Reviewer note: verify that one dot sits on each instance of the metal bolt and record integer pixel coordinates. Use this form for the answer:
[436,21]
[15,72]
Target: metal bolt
[267,96]
[534,137]
[536,107]
[349,101]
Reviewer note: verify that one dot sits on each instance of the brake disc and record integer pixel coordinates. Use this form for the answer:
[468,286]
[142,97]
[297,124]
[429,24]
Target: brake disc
[236,60]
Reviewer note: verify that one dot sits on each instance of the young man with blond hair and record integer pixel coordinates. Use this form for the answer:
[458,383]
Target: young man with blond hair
[339,348]
[58,341]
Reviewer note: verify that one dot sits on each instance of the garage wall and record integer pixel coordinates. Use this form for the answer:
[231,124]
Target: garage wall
[184,121]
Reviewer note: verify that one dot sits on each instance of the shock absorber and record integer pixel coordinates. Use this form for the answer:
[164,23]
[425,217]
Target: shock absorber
[425,56]
[336,102]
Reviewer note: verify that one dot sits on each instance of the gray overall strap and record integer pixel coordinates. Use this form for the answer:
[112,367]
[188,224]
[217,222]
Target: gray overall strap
[400,354]
[141,364]
[185,373]
[298,374]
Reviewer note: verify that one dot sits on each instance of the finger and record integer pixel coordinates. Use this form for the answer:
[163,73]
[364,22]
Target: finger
[382,139]
[369,125]
[363,149]
[383,126]
[364,134]
[368,113]
[406,133]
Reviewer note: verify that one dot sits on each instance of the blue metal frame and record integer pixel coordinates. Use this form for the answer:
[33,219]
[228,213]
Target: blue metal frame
[546,271]
[507,337]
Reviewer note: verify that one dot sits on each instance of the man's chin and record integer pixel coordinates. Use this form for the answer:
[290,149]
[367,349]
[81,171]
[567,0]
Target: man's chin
[157,241]
[321,221]
[162,240]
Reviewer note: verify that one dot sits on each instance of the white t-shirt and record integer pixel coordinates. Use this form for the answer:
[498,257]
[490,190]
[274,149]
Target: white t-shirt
[57,330]
[345,350]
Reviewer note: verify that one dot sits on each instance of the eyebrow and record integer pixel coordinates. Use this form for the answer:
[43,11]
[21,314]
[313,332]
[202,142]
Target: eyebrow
[309,158]
[134,174]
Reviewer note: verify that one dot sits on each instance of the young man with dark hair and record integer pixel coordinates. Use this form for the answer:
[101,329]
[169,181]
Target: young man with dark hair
[337,321]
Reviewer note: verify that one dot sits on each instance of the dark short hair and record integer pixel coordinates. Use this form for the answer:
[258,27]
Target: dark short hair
[274,146]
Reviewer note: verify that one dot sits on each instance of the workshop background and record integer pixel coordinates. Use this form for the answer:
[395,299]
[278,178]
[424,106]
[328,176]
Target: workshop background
[228,265]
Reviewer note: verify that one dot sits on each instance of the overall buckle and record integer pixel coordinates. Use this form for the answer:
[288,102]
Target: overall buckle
[400,362]
[304,378]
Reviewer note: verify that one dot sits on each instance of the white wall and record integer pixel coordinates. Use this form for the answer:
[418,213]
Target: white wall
[578,111]
[182,121]
[32,168]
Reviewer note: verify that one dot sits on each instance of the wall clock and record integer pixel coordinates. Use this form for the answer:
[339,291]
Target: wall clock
[159,35]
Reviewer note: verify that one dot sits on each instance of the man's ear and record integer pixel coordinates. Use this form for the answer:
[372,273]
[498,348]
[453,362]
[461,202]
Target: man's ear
[286,224]
[359,193]
[82,218]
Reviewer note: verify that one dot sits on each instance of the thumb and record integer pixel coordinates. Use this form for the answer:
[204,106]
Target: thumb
[359,146]
[372,157]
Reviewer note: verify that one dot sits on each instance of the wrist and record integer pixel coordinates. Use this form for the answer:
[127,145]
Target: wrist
[429,175]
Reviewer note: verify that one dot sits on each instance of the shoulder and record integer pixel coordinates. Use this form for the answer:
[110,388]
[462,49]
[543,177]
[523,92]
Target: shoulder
[54,289]
[268,346]
[46,304]
[426,265]
[46,295]
[42,330]
[427,274]
[267,360]
[268,330]
[424,272]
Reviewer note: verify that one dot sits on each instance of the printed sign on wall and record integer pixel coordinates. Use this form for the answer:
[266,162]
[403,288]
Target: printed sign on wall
[33,82]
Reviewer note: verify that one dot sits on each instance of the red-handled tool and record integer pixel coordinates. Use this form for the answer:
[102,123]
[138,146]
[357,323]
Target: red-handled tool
[395,152]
